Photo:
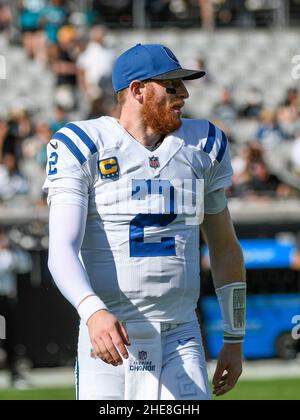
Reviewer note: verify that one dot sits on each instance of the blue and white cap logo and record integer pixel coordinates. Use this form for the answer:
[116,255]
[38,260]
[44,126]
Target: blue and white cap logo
[170,54]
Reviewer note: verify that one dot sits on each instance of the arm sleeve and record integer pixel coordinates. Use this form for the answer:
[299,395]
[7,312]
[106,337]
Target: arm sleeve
[68,212]
[215,202]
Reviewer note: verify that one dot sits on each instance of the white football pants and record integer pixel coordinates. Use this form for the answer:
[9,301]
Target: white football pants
[182,376]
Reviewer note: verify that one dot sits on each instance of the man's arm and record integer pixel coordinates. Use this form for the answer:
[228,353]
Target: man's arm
[66,226]
[227,265]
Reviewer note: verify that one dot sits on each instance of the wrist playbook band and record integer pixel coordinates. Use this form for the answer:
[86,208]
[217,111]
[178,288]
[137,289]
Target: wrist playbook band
[232,301]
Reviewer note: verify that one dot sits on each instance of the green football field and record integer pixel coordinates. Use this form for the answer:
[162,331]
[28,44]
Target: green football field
[276,389]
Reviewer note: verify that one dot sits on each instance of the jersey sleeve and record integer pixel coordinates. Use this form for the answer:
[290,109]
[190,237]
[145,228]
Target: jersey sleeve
[71,159]
[215,202]
[218,176]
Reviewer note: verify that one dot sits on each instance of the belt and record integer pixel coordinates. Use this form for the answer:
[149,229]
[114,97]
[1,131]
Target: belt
[164,326]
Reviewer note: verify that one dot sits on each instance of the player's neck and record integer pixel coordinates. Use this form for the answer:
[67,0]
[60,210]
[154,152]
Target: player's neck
[144,135]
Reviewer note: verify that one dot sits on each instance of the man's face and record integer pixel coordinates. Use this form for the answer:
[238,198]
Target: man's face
[162,110]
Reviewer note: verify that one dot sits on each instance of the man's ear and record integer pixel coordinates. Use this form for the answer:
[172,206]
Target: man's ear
[137,89]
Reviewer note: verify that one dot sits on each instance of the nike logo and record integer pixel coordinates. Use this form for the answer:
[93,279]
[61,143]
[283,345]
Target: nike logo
[55,146]
[184,341]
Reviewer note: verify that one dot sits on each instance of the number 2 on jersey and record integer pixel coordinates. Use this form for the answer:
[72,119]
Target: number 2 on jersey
[52,163]
[138,248]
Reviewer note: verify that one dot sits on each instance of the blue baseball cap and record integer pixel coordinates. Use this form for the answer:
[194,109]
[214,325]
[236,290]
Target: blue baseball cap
[149,61]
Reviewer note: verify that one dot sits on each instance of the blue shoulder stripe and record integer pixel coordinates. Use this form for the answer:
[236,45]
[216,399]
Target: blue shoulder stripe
[210,138]
[83,136]
[71,146]
[222,148]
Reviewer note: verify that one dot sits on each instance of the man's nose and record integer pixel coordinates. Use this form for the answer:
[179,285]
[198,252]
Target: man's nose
[182,92]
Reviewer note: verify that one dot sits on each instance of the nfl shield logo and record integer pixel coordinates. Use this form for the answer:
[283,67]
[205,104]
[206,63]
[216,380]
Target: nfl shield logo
[142,355]
[154,162]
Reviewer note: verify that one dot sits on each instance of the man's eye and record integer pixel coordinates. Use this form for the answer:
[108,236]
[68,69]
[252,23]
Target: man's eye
[172,85]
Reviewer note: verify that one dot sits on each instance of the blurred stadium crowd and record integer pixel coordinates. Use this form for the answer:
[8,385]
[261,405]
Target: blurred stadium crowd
[59,59]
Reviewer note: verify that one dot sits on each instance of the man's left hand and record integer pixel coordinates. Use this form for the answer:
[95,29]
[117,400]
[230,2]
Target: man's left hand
[229,368]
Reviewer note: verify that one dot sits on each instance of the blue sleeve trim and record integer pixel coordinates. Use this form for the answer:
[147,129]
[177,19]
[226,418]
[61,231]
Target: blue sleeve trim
[83,136]
[222,148]
[210,138]
[71,146]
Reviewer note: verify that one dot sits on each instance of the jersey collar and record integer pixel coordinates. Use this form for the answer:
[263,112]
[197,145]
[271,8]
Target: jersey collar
[171,145]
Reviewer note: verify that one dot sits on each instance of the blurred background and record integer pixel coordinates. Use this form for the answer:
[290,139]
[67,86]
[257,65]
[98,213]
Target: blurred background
[56,59]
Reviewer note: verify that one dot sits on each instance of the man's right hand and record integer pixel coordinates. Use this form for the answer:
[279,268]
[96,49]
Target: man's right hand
[108,337]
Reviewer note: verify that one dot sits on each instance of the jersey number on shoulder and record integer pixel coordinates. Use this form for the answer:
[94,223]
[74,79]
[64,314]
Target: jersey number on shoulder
[52,163]
[139,248]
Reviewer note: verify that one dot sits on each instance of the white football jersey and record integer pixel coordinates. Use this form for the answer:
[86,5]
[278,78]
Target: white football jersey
[141,243]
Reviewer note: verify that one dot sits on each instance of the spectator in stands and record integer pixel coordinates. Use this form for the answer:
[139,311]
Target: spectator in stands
[262,183]
[95,64]
[106,105]
[293,100]
[295,155]
[235,13]
[14,131]
[61,118]
[64,66]
[269,133]
[13,261]
[5,19]
[257,183]
[207,14]
[35,158]
[249,154]
[20,122]
[9,142]
[12,182]
[33,37]
[118,11]
[225,110]
[254,104]
[52,17]
[158,10]
[289,113]
[3,136]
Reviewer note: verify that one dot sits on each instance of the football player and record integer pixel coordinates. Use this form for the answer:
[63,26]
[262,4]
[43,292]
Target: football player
[126,201]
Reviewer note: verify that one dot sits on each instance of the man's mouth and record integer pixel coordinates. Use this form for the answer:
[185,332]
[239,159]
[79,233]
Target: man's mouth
[177,107]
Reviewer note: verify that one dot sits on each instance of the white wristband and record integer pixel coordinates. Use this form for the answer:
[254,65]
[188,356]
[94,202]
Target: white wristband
[89,306]
[232,300]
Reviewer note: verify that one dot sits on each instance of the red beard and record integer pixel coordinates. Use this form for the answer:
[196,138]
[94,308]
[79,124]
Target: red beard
[158,115]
